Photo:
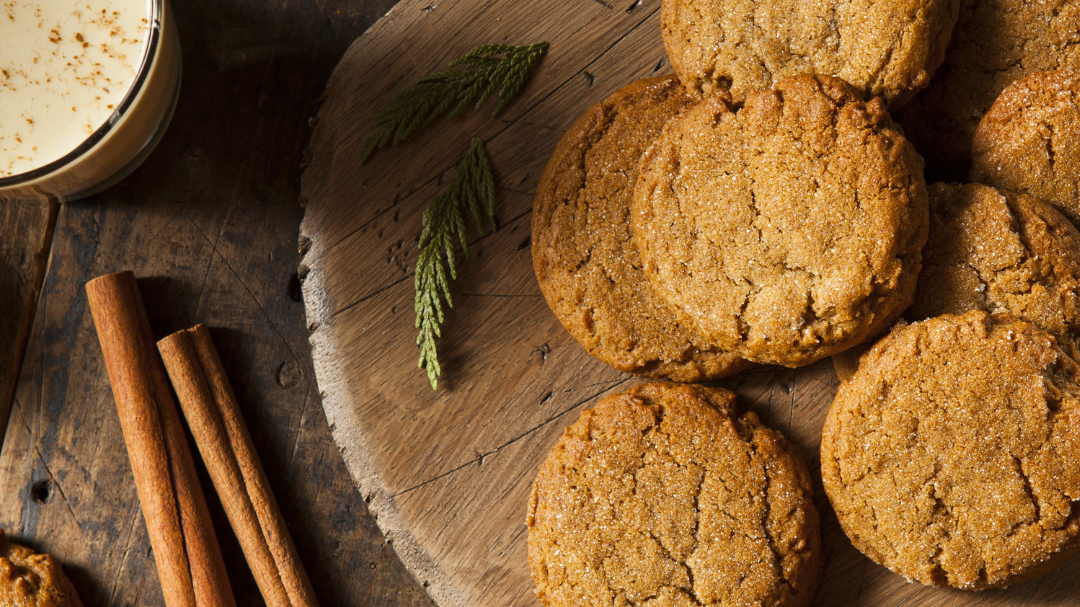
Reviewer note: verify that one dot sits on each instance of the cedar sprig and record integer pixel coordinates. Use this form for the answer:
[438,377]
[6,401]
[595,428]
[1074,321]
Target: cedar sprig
[472,78]
[443,222]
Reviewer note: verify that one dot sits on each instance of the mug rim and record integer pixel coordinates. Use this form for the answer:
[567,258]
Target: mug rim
[141,76]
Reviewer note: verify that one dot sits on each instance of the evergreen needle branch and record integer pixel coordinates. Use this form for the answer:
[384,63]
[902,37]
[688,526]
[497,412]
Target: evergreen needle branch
[443,223]
[471,79]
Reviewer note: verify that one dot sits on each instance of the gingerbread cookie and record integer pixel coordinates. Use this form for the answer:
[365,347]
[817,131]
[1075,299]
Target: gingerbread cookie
[586,265]
[789,230]
[994,44]
[888,48]
[28,579]
[665,494]
[1027,142]
[952,456]
[1001,252]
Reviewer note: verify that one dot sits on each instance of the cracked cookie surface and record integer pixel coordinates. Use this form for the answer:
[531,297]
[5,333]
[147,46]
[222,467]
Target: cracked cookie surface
[995,43]
[583,257]
[950,456]
[1027,141]
[28,579]
[886,48]
[786,231]
[666,495]
[1001,252]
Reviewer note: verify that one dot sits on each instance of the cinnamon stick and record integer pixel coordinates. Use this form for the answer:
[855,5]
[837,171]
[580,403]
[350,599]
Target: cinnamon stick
[189,562]
[213,415]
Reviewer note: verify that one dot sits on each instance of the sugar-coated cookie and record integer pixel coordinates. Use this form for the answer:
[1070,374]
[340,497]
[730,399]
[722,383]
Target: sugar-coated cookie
[952,455]
[787,230]
[667,495]
[1001,253]
[586,265]
[1029,141]
[995,43]
[29,579]
[887,48]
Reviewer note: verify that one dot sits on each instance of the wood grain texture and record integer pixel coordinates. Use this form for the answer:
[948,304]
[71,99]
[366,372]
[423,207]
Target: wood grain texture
[447,474]
[210,221]
[26,229]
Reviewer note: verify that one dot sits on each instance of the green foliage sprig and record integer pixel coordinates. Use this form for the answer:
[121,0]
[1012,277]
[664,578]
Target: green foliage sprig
[472,78]
[444,222]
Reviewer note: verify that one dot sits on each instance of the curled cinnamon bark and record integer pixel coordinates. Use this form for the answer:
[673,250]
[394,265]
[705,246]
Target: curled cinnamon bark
[225,444]
[189,562]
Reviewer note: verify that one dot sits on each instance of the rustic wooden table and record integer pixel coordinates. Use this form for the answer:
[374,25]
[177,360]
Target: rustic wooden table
[209,223]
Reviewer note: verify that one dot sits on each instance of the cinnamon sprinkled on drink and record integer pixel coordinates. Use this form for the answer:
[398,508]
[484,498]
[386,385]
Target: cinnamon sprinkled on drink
[59,54]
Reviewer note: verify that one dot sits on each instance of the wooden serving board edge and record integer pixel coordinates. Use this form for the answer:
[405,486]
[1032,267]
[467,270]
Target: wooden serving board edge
[333,385]
[355,451]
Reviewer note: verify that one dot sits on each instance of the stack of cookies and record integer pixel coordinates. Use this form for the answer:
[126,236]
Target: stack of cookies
[762,207]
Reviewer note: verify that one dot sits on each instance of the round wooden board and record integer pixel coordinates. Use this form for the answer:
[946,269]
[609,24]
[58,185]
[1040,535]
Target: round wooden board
[447,473]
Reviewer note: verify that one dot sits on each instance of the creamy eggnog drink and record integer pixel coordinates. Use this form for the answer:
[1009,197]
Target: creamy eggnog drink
[85,87]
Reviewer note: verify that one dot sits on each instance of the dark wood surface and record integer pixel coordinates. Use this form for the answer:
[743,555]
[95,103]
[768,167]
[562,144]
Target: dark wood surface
[25,236]
[209,223]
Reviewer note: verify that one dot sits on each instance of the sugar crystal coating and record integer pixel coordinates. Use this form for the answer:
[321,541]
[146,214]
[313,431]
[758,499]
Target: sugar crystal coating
[952,456]
[1001,252]
[1027,142]
[587,267]
[994,43]
[787,230]
[887,48]
[666,495]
